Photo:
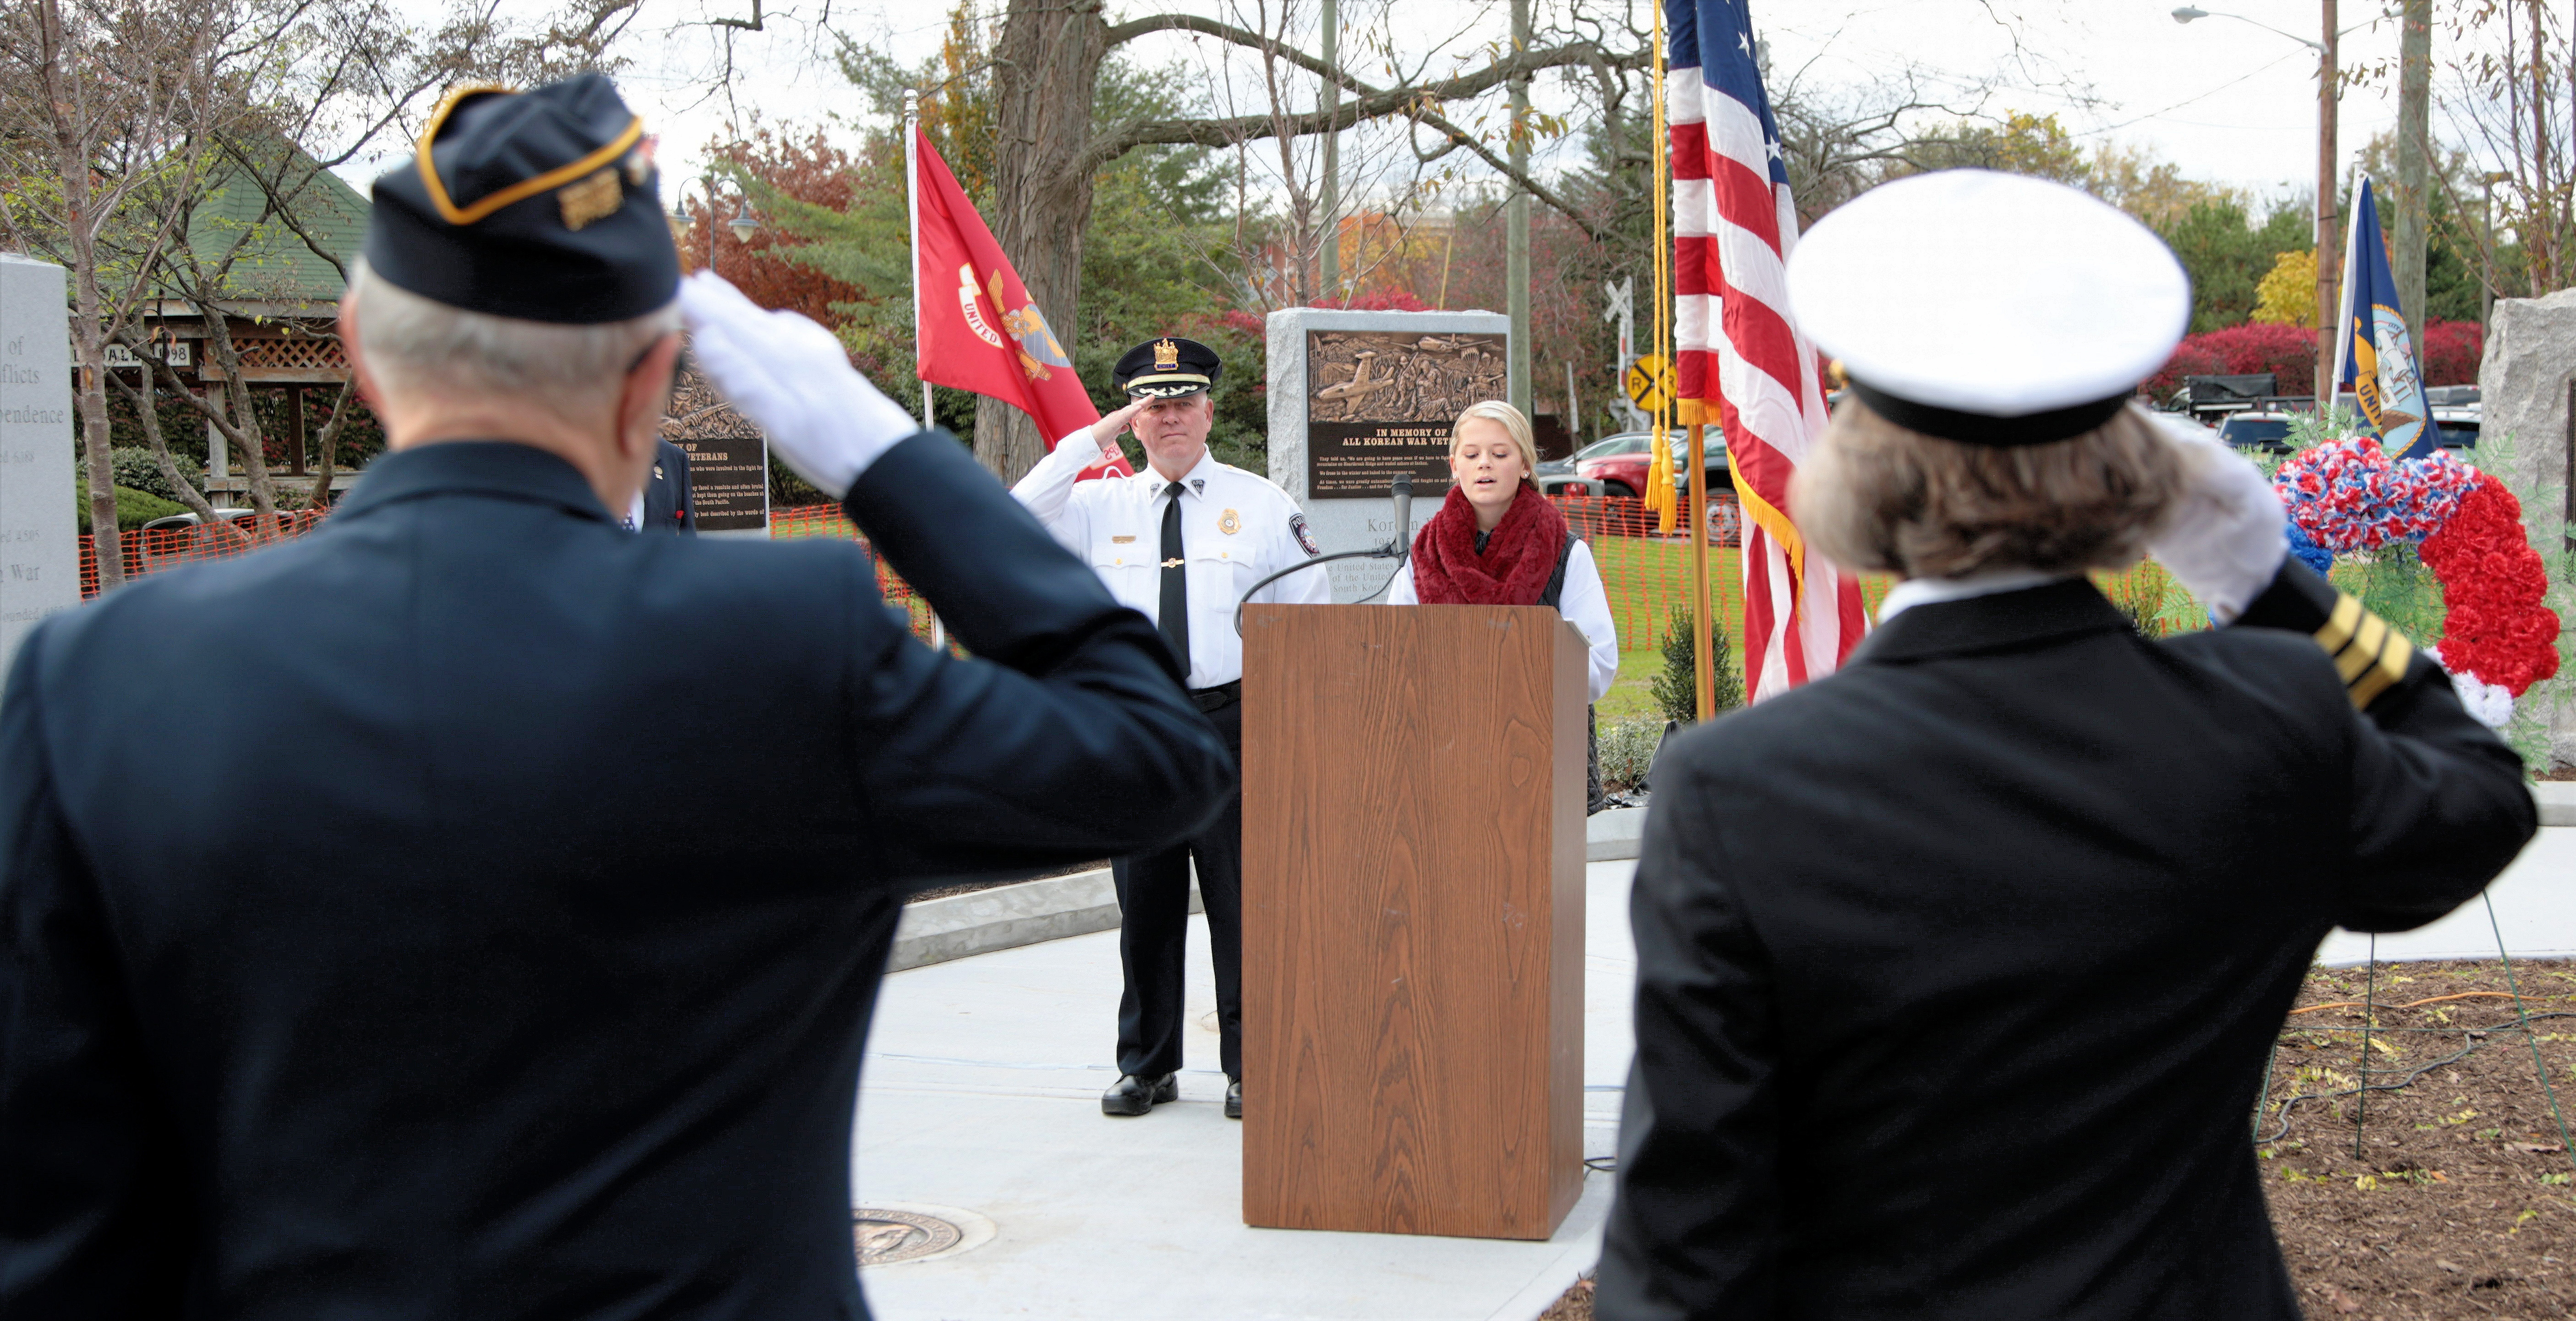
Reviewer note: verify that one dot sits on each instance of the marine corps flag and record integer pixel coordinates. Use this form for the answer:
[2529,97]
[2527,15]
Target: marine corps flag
[2374,356]
[975,326]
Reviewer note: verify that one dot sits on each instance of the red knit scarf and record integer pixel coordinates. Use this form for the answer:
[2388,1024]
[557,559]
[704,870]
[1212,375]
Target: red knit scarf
[1519,557]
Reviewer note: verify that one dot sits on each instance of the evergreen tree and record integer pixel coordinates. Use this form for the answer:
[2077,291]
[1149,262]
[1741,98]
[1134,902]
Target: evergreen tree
[1676,688]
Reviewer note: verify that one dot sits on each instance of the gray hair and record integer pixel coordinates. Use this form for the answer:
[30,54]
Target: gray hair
[416,344]
[1876,496]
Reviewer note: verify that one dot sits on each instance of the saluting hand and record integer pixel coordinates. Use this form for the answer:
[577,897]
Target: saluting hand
[1108,429]
[2225,538]
[792,378]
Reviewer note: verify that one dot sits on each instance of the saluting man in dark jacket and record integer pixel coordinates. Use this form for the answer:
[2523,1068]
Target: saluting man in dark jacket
[667,503]
[1957,969]
[497,936]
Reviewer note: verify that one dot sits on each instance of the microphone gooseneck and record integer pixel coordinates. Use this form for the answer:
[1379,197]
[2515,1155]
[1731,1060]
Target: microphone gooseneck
[1402,489]
[1397,548]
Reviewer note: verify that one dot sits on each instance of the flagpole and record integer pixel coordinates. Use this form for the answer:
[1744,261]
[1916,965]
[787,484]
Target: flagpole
[2343,309]
[1695,522]
[912,216]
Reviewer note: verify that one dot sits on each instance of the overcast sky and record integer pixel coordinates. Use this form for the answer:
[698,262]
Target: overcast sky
[2226,100]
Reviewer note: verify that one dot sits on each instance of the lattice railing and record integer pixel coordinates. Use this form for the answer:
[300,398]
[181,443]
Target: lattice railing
[298,354]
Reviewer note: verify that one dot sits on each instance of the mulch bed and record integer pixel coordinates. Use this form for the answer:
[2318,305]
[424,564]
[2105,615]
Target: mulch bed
[2460,1204]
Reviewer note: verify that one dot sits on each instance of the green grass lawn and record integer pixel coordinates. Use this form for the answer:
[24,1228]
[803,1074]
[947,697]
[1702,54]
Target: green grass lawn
[1629,697]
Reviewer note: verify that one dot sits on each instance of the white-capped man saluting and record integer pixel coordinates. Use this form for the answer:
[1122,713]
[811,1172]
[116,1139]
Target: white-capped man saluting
[1180,541]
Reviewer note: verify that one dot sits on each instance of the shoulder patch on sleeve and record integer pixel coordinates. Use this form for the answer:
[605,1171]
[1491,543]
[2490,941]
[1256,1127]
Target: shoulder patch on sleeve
[1305,535]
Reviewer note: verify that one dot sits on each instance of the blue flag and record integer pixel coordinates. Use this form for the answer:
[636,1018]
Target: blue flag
[2374,357]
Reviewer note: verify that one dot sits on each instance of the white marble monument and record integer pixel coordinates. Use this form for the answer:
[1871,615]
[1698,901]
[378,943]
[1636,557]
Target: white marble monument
[39,539]
[1358,396]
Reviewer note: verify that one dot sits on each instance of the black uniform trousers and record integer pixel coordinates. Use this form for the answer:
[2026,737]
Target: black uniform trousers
[1154,926]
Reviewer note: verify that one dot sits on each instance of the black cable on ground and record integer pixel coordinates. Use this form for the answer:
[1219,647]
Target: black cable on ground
[2469,1046]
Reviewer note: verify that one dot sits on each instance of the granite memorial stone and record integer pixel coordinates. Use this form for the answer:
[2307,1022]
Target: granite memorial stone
[2524,388]
[39,538]
[1357,397]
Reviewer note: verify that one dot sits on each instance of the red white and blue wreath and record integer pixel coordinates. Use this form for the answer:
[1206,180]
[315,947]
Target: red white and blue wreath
[2348,497]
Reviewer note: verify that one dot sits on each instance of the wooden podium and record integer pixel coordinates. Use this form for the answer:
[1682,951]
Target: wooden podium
[1413,791]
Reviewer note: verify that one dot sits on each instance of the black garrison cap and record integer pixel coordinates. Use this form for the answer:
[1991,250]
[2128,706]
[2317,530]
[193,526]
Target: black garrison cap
[541,205]
[1167,368]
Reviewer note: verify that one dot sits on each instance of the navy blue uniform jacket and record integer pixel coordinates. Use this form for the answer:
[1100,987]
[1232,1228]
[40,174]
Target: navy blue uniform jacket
[1956,970]
[669,502]
[474,910]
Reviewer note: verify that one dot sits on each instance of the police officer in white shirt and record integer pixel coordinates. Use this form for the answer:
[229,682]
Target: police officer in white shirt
[1179,541]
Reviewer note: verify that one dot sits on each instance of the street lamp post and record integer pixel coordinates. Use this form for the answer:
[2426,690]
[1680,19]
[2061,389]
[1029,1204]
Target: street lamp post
[2329,227]
[744,224]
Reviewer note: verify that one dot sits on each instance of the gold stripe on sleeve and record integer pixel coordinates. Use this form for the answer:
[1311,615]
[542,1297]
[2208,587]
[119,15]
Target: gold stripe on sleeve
[2339,625]
[2366,642]
[2384,672]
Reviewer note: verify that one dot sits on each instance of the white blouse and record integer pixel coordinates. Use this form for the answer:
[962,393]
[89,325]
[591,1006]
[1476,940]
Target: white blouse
[1583,603]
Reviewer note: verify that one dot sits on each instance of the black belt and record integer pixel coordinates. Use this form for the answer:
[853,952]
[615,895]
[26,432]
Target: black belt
[1217,698]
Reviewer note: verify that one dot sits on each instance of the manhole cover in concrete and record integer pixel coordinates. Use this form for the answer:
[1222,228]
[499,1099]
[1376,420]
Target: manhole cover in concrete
[886,1236]
[900,1233]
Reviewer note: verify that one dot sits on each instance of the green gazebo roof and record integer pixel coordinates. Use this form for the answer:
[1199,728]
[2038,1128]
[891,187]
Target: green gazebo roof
[277,265]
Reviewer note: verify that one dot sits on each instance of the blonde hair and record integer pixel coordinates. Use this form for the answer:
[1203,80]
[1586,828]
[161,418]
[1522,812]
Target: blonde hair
[1514,425]
[1877,496]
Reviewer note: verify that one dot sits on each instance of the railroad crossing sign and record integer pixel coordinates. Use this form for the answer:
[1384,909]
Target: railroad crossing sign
[1650,383]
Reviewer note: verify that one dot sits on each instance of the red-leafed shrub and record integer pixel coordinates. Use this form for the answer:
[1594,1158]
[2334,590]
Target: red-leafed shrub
[2289,351]
[2451,352]
[1377,300]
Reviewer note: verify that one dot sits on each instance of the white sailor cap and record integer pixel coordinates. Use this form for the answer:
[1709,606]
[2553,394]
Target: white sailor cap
[1993,309]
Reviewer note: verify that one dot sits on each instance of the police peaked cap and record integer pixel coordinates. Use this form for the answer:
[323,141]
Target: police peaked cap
[1991,309]
[541,205]
[1167,368]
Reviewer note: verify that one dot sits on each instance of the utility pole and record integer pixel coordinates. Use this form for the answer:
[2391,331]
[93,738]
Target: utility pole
[1330,264]
[2414,102]
[1516,264]
[2329,232]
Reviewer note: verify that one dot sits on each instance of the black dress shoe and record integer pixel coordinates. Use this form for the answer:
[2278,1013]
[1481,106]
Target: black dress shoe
[1134,1095]
[1234,1098]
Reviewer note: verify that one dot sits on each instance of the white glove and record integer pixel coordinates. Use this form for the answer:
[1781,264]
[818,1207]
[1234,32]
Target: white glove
[2227,536]
[791,378]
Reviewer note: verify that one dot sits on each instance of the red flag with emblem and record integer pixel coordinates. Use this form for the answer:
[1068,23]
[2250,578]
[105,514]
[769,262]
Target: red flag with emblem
[976,327]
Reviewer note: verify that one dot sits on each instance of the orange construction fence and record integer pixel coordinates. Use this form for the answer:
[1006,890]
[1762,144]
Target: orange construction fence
[1645,573]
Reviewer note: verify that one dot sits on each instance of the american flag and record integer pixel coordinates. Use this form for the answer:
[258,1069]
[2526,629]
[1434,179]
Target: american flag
[1739,359]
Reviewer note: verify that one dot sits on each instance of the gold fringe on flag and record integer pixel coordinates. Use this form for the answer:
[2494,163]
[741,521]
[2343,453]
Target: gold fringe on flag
[1659,494]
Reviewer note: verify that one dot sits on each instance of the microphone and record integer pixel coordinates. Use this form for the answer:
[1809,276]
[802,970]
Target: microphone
[1401,489]
[1399,548]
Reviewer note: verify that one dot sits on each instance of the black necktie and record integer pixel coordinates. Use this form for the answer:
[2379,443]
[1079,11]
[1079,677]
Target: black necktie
[1174,614]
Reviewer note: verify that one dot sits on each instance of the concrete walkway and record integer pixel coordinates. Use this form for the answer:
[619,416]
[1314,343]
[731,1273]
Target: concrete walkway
[981,1096]
[982,1093]
[2535,906]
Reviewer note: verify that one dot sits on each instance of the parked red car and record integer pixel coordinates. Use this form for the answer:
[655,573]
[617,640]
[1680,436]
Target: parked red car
[1618,463]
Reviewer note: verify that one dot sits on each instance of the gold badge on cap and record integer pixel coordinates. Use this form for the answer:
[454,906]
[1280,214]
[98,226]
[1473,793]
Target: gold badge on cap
[1167,356]
[1229,522]
[594,198]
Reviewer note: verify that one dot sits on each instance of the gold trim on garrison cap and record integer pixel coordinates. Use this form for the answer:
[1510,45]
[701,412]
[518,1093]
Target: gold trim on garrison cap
[1167,368]
[540,205]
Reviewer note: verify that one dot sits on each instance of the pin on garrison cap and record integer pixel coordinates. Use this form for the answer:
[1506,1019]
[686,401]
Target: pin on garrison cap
[1167,368]
[541,205]
[1992,309]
